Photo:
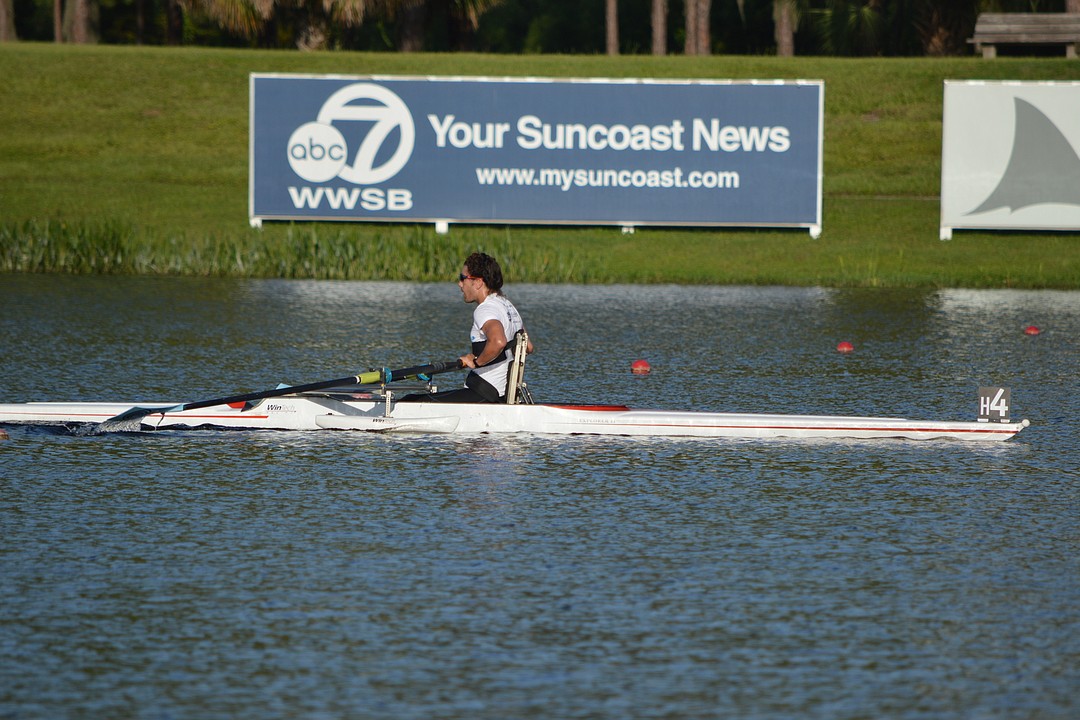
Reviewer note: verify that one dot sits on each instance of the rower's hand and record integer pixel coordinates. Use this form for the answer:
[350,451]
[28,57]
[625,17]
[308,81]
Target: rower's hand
[469,361]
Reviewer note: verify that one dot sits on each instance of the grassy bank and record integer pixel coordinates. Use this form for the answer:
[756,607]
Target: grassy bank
[134,160]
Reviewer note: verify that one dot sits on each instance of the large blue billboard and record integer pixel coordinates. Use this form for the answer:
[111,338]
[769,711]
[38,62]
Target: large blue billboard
[512,150]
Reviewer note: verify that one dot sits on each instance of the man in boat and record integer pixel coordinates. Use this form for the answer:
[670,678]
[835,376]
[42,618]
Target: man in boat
[495,322]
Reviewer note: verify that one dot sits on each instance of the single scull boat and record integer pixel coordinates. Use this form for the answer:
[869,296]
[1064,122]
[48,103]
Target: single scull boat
[377,408]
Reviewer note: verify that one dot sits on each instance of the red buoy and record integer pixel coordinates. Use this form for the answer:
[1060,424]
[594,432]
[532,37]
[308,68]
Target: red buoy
[845,347]
[640,367]
[1031,330]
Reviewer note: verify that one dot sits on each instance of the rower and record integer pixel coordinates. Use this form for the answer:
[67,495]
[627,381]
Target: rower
[496,322]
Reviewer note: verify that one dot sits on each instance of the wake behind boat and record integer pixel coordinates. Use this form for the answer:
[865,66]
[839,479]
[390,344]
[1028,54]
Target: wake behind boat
[377,408]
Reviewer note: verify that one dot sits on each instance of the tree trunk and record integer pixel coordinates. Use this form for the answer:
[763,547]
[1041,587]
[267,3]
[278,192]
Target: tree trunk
[174,23]
[611,16]
[1072,6]
[659,27]
[78,22]
[80,29]
[691,44]
[7,21]
[58,20]
[413,19]
[462,20]
[784,19]
[704,37]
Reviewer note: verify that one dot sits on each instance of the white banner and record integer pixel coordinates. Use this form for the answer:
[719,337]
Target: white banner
[1010,156]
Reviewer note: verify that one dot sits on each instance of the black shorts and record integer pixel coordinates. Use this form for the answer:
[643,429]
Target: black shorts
[476,390]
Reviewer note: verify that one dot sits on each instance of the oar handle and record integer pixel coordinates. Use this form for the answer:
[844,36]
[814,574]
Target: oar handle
[432,369]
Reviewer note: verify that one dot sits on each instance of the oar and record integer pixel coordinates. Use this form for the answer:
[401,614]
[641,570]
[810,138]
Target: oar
[372,376]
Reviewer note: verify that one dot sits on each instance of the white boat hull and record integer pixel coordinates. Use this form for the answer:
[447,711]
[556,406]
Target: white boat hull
[362,413]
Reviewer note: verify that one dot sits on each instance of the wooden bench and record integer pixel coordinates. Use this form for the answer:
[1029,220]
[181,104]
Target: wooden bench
[993,29]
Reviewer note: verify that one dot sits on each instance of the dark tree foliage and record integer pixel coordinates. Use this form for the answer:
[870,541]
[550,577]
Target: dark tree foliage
[33,20]
[826,27]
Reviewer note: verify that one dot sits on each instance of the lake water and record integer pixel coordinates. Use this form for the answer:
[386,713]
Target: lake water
[334,575]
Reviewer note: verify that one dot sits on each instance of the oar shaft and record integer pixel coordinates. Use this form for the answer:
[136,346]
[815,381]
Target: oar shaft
[248,397]
[366,378]
[374,376]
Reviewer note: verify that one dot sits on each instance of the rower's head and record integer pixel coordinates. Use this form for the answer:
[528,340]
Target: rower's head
[481,267]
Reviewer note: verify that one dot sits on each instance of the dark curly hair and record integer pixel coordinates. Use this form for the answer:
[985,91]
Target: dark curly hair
[484,266]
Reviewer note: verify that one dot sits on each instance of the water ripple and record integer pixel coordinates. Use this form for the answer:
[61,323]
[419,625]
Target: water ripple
[330,575]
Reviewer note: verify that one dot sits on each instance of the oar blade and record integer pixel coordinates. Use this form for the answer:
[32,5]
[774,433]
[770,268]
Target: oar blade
[135,413]
[130,420]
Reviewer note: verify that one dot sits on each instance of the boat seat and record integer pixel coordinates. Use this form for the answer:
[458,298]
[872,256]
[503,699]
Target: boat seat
[517,392]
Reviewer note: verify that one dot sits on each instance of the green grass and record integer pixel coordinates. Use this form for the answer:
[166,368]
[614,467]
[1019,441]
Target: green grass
[134,160]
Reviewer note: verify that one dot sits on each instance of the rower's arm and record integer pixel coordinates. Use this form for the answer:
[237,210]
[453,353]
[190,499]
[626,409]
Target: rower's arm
[496,344]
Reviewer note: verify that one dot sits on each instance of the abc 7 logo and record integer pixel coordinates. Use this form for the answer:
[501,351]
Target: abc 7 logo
[318,151]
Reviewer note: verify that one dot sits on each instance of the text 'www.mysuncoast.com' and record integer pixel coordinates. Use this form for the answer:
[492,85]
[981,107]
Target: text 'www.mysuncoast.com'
[569,178]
